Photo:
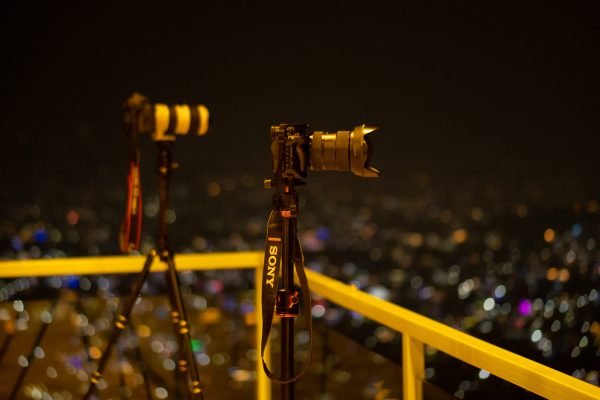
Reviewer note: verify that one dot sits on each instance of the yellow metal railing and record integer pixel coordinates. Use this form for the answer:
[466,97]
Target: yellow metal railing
[416,329]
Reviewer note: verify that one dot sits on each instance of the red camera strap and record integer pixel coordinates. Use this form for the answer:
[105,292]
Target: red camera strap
[131,229]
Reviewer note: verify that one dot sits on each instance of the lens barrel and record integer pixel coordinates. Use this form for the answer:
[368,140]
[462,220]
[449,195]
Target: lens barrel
[343,151]
[180,119]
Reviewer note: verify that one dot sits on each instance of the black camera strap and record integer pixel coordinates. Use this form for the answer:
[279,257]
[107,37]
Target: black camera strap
[270,278]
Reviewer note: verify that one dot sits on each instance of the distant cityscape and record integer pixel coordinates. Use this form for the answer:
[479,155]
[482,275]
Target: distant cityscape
[522,272]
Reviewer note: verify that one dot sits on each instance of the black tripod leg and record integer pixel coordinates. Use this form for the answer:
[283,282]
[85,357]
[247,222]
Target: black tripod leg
[121,322]
[31,355]
[181,370]
[184,331]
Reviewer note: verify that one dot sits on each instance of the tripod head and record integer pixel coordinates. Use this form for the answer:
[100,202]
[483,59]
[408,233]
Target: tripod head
[163,123]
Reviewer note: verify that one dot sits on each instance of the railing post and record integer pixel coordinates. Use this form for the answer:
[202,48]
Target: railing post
[413,368]
[263,384]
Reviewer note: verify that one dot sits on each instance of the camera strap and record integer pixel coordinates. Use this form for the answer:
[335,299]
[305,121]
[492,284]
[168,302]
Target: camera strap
[270,278]
[129,238]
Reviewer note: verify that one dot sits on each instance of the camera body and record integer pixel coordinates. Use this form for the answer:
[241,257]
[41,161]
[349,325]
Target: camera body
[295,150]
[163,122]
[290,150]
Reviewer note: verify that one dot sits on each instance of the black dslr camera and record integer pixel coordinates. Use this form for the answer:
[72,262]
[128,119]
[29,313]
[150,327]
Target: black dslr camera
[294,150]
[163,122]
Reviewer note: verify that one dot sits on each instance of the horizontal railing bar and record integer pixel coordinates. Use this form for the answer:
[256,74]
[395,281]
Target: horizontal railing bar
[126,264]
[519,370]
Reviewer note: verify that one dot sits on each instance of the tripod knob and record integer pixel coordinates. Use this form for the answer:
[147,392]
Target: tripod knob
[287,303]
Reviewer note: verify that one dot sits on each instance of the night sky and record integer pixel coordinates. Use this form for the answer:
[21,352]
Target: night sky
[460,91]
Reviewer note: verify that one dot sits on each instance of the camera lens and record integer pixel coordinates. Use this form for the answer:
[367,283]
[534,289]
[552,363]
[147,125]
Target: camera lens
[343,151]
[180,120]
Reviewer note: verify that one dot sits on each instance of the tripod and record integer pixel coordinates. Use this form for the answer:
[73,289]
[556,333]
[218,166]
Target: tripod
[293,150]
[186,365]
[283,299]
